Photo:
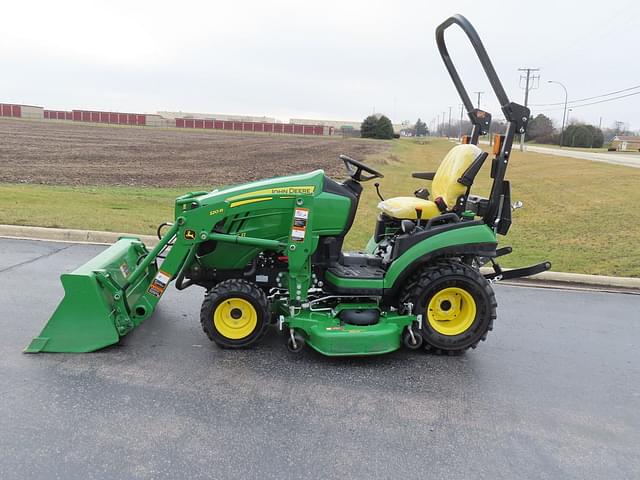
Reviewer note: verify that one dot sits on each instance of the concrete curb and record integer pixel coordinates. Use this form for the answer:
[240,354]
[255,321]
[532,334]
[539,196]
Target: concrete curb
[562,279]
[70,235]
[107,238]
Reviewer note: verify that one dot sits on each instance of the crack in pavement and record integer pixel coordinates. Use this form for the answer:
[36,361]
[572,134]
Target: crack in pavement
[26,262]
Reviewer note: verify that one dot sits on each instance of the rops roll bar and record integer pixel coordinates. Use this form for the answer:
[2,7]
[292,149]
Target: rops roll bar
[517,117]
[513,112]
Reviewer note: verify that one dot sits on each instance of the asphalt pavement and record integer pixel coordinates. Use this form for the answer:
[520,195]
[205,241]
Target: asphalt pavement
[554,393]
[628,159]
[616,158]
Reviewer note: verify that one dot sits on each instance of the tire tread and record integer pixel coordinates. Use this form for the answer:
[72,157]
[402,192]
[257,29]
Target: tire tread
[423,278]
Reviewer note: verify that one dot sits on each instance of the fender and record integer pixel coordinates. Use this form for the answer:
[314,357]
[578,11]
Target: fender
[477,239]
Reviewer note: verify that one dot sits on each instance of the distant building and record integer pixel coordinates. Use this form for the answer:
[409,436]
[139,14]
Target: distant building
[625,143]
[221,116]
[15,110]
[153,120]
[336,124]
[339,125]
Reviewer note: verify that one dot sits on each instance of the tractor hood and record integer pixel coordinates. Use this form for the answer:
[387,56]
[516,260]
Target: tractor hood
[236,195]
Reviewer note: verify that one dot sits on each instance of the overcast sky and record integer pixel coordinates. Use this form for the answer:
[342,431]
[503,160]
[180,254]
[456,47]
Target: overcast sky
[322,59]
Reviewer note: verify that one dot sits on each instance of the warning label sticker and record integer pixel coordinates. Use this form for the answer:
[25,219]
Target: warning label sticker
[155,292]
[124,269]
[299,229]
[163,278]
[302,213]
[297,234]
[159,284]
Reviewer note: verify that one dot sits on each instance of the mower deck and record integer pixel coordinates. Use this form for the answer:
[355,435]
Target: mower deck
[330,336]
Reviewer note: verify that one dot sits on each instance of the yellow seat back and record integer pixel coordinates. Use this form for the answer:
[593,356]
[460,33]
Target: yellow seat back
[445,182]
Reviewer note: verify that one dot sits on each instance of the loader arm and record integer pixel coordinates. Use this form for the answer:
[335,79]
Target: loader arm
[119,289]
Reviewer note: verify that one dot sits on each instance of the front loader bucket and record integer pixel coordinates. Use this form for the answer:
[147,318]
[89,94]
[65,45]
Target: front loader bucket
[96,309]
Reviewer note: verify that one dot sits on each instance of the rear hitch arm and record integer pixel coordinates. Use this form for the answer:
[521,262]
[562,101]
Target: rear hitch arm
[500,274]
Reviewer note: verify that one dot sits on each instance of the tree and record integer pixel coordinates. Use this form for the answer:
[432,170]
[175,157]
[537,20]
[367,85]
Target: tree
[368,127]
[384,128]
[421,129]
[581,135]
[540,127]
[375,126]
[597,137]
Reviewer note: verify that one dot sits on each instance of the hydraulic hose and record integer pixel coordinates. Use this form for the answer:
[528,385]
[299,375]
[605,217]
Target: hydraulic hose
[187,263]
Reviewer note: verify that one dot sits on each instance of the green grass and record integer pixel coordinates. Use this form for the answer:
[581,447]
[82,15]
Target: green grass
[583,216]
[116,209]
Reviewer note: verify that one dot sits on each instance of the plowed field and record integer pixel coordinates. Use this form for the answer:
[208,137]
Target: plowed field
[55,153]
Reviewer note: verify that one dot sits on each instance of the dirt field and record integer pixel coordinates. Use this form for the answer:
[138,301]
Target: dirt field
[54,153]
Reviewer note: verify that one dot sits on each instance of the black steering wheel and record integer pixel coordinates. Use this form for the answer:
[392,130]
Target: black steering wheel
[355,169]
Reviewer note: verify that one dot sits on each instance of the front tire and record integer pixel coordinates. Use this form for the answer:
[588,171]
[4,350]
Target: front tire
[457,303]
[234,314]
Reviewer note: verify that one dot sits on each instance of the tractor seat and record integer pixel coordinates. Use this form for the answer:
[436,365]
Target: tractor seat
[405,207]
[451,181]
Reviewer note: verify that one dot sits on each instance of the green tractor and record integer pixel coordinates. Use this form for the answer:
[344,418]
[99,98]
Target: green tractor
[270,252]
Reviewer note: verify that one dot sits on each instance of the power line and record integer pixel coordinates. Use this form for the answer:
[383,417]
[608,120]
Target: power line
[593,103]
[608,99]
[584,99]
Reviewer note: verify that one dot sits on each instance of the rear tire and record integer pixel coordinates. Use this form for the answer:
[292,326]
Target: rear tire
[234,314]
[457,304]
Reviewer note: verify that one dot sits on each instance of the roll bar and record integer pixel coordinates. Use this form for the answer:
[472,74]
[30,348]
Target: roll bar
[513,112]
[517,118]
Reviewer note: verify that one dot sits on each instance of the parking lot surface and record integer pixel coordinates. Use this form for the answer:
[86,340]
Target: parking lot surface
[554,393]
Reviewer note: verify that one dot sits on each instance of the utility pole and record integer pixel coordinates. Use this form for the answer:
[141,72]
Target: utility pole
[530,81]
[449,129]
[478,93]
[460,126]
[438,126]
[600,124]
[444,116]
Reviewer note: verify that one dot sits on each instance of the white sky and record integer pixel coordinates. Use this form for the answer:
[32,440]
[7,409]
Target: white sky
[323,59]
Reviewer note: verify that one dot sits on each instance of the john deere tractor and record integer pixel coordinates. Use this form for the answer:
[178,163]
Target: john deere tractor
[270,253]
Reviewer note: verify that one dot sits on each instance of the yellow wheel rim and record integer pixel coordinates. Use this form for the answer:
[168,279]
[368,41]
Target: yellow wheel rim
[451,311]
[235,318]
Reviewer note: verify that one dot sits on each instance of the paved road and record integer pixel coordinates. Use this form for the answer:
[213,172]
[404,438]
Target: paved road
[553,394]
[616,158]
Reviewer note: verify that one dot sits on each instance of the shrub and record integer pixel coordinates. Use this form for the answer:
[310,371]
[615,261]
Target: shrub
[384,128]
[376,127]
[368,127]
[580,135]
